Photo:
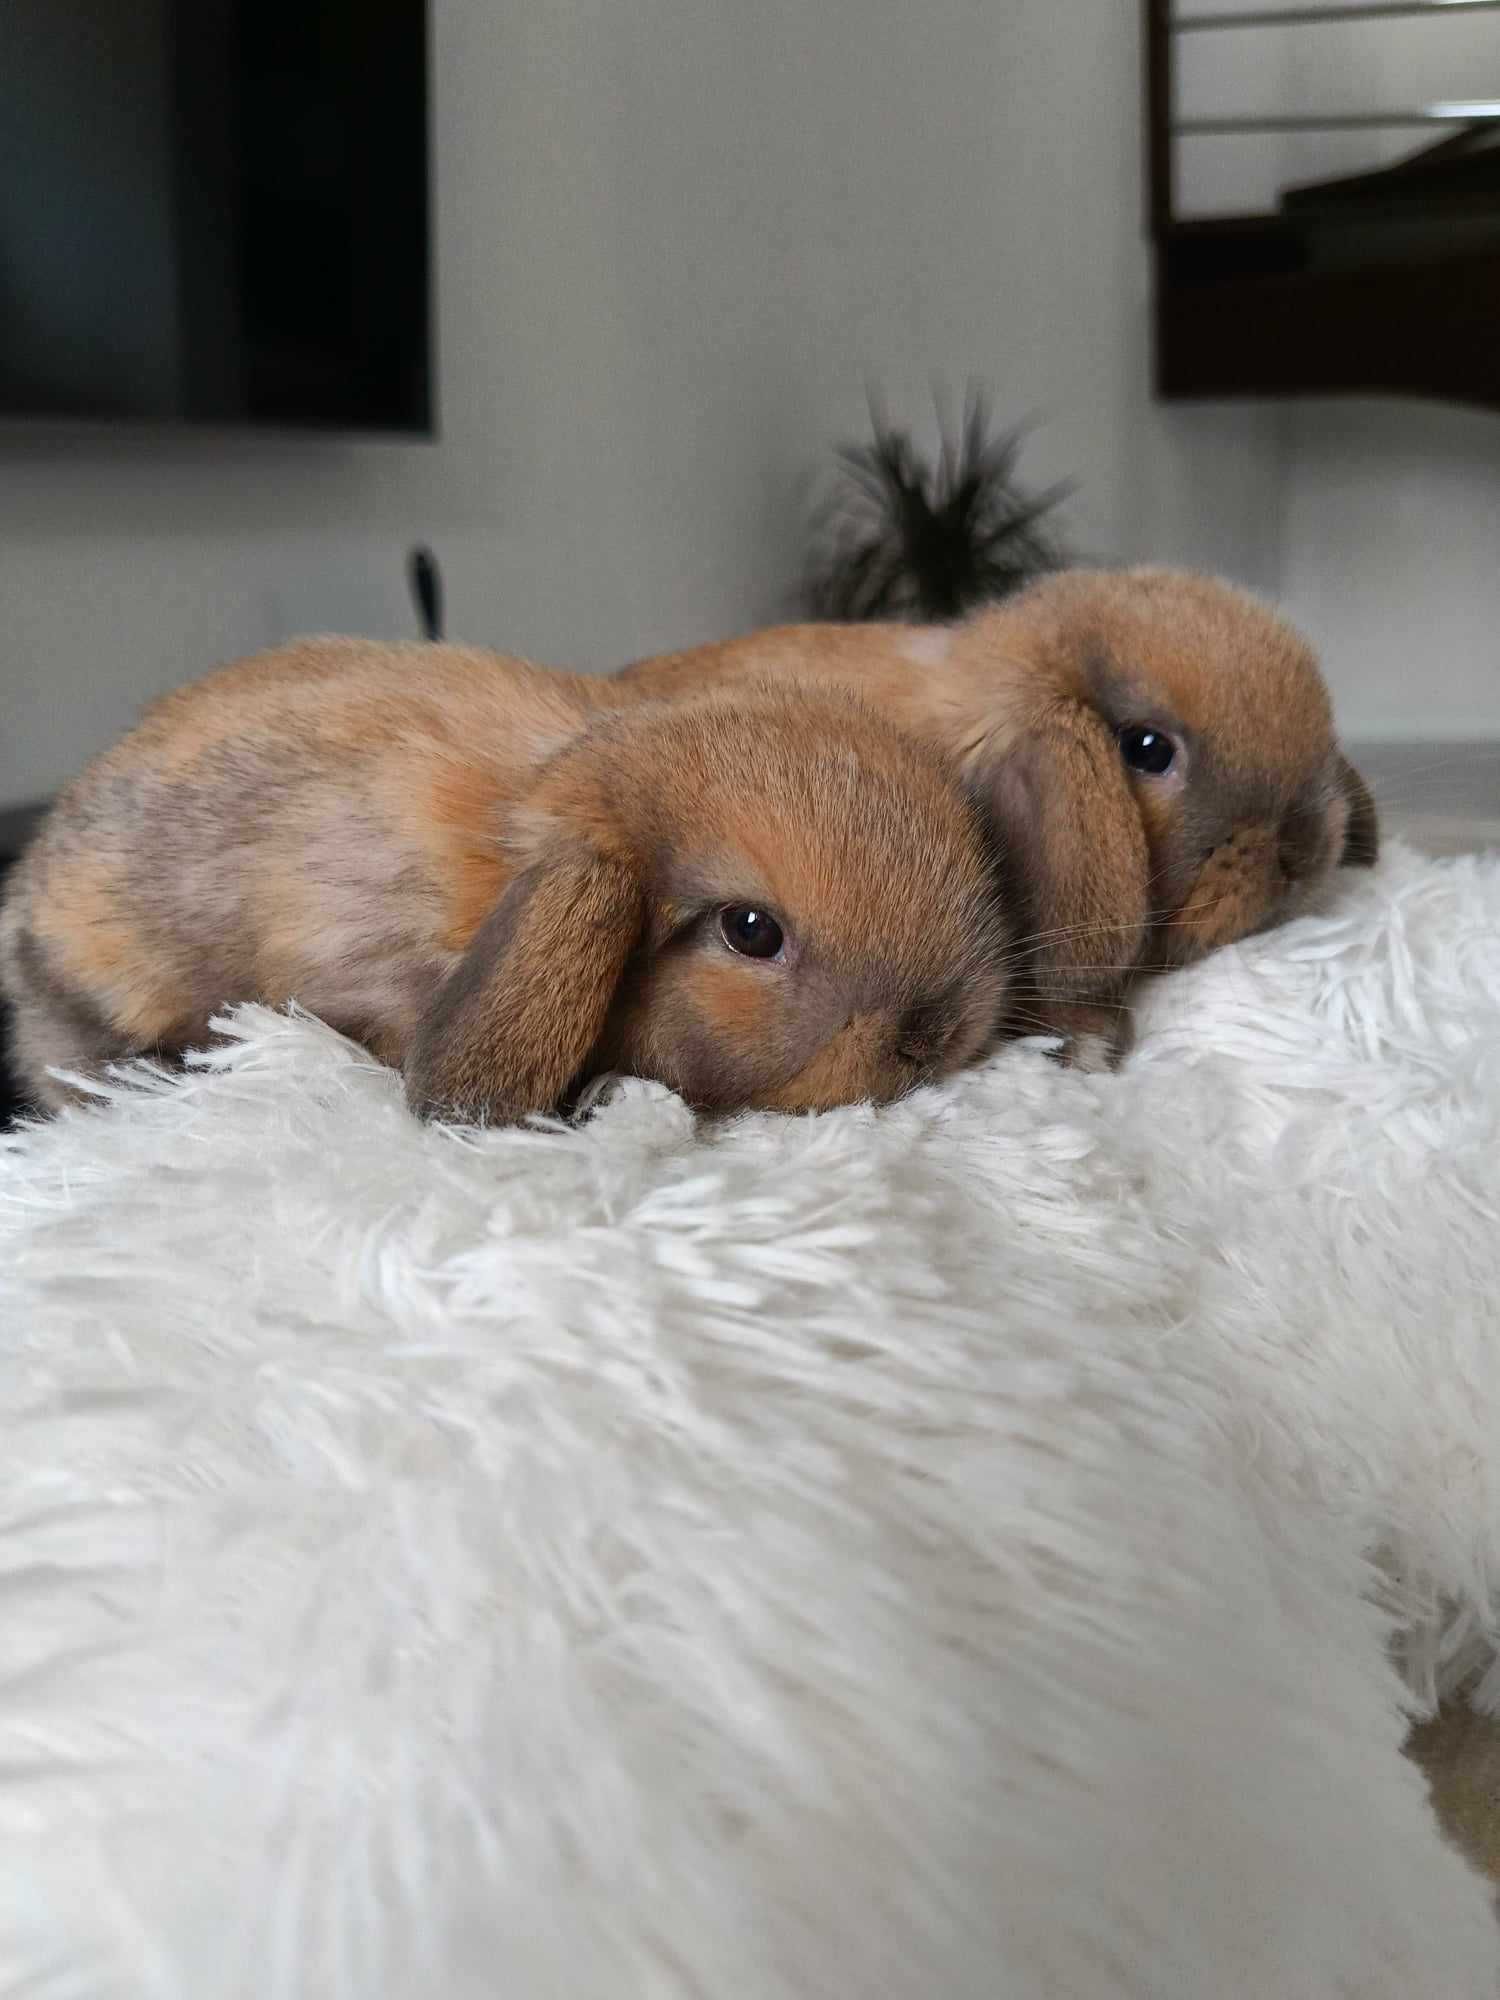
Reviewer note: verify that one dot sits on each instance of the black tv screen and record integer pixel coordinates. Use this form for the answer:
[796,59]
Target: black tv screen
[215,212]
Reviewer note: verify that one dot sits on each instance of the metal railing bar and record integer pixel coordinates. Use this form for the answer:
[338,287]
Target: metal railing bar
[1352,121]
[1287,17]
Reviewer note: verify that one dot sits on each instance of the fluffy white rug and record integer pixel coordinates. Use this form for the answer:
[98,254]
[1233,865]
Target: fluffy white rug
[898,1553]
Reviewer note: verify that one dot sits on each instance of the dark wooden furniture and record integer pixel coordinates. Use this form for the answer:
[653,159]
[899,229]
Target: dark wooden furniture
[1384,281]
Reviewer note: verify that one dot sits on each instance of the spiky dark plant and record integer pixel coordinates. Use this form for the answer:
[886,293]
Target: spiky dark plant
[902,537]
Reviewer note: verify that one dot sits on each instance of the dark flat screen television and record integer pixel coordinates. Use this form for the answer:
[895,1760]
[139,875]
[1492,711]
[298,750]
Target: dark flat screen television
[215,212]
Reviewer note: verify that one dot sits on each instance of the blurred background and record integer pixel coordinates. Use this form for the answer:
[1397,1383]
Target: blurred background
[583,295]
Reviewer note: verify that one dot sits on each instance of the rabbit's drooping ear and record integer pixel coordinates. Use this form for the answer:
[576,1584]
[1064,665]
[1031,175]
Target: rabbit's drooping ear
[1069,823]
[514,1022]
[1362,834]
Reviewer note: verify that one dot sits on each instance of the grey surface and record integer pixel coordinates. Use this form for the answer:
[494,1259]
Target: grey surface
[1443,797]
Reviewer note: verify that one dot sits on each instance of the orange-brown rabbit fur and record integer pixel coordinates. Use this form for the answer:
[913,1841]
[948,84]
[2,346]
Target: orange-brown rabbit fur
[1115,869]
[463,862]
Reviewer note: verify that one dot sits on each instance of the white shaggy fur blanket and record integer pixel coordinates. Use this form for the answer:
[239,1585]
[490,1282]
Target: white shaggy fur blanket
[902,1553]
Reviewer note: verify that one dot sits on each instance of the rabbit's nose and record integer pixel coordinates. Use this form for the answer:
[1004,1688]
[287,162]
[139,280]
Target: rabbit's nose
[923,1032]
[1302,841]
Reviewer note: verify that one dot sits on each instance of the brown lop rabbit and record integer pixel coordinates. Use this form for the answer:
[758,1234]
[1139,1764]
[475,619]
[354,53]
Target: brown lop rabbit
[768,896]
[1156,750]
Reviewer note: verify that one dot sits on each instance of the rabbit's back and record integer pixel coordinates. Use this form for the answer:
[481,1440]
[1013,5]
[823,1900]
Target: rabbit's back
[321,823]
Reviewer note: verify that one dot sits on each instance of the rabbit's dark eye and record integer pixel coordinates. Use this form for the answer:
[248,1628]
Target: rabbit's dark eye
[752,933]
[1147,750]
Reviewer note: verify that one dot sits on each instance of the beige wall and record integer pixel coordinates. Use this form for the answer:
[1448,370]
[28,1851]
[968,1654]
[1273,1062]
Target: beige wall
[674,238]
[1391,559]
